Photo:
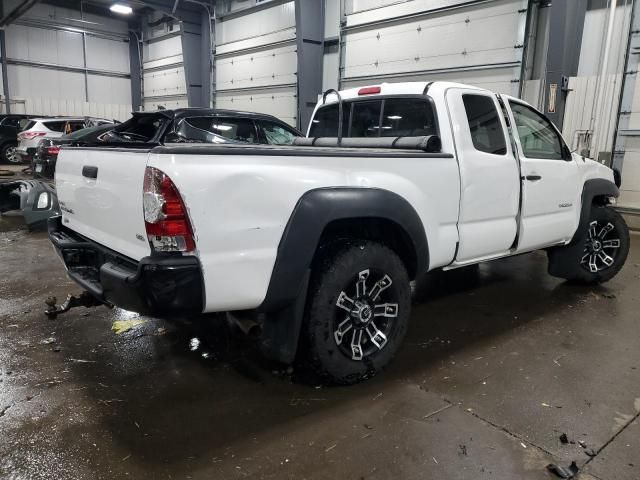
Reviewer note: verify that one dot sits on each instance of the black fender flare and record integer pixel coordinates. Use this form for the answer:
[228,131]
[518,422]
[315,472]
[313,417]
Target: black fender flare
[283,306]
[318,208]
[592,189]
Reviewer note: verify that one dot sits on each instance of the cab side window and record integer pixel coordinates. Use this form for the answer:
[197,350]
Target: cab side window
[537,136]
[487,133]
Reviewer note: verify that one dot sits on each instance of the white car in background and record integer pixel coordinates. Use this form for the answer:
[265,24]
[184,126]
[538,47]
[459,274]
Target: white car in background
[55,127]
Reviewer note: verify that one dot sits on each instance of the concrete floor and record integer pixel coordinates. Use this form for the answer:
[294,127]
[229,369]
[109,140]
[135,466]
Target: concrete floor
[499,361]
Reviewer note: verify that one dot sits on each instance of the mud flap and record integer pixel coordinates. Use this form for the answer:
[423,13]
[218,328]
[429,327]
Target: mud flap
[37,201]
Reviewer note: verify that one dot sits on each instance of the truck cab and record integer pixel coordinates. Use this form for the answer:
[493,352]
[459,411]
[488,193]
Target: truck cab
[520,185]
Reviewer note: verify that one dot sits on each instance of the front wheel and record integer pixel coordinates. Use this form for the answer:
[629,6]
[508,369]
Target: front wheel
[358,311]
[598,254]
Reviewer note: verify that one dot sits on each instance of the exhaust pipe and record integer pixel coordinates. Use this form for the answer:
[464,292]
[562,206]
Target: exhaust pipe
[246,323]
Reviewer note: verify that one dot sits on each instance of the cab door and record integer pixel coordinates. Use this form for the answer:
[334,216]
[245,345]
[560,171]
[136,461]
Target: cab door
[551,183]
[489,175]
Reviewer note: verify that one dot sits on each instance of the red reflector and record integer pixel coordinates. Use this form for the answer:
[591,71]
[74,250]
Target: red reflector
[53,150]
[368,90]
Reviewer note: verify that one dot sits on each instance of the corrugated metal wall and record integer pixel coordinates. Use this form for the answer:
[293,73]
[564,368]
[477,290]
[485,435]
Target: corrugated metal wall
[46,69]
[256,61]
[472,42]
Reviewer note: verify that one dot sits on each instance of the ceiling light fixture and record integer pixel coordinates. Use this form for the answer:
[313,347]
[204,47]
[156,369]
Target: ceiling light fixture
[120,8]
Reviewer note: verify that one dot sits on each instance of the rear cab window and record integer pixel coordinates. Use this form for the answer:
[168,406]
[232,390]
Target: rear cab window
[384,117]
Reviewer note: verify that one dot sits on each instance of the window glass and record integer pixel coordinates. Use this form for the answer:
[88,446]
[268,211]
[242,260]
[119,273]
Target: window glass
[407,117]
[10,122]
[365,119]
[236,129]
[325,121]
[55,126]
[28,125]
[537,136]
[486,130]
[276,134]
[73,127]
[139,128]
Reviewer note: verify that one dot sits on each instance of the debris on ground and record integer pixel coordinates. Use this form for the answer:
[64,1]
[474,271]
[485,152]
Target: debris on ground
[463,449]
[564,439]
[121,326]
[564,472]
[48,341]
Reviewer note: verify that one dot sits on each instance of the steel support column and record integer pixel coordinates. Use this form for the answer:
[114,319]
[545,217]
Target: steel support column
[310,51]
[566,22]
[197,57]
[135,67]
[5,70]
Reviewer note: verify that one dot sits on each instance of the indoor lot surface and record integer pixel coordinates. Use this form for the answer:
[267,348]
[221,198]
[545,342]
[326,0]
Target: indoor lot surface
[498,363]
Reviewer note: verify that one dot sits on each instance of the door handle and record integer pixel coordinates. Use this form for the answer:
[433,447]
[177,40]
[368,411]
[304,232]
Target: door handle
[533,178]
[90,172]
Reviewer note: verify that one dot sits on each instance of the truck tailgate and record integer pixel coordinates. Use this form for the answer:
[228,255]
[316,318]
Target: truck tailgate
[100,196]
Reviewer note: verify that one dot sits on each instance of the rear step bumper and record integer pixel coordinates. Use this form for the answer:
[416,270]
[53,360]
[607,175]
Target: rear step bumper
[156,285]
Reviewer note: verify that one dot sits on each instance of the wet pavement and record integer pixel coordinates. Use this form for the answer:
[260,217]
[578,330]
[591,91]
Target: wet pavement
[499,361]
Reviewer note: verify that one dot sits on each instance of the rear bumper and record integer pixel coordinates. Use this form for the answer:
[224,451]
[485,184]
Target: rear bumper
[155,285]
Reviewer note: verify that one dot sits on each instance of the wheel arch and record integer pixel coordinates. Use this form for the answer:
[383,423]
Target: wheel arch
[595,191]
[326,213]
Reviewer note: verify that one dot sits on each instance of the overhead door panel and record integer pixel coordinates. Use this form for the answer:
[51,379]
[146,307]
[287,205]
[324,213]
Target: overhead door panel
[479,43]
[256,61]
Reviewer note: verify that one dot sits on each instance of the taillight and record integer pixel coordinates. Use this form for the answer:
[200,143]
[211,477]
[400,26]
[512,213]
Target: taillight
[30,135]
[53,150]
[165,216]
[368,90]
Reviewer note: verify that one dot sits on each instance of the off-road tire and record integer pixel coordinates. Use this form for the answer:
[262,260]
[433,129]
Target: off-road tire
[574,262]
[337,270]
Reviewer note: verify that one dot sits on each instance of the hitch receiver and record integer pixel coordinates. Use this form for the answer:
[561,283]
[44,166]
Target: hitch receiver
[85,299]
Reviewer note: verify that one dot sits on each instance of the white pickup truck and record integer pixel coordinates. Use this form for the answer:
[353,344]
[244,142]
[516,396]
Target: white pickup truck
[318,242]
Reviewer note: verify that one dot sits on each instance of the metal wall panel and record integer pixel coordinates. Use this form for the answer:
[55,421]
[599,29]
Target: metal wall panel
[330,66]
[446,44]
[103,54]
[27,82]
[44,46]
[110,90]
[48,41]
[270,67]
[331,18]
[280,102]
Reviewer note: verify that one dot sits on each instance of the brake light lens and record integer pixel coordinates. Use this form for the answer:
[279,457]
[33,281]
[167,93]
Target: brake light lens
[368,90]
[53,150]
[30,135]
[165,216]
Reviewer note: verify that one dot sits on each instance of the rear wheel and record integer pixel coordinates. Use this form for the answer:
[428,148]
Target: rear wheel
[9,153]
[599,253]
[358,311]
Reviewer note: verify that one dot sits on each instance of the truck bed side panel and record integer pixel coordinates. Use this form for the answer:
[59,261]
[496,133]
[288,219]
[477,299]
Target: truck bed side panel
[240,204]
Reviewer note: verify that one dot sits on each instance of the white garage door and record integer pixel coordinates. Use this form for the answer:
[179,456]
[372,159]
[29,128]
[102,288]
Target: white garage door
[480,43]
[256,62]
